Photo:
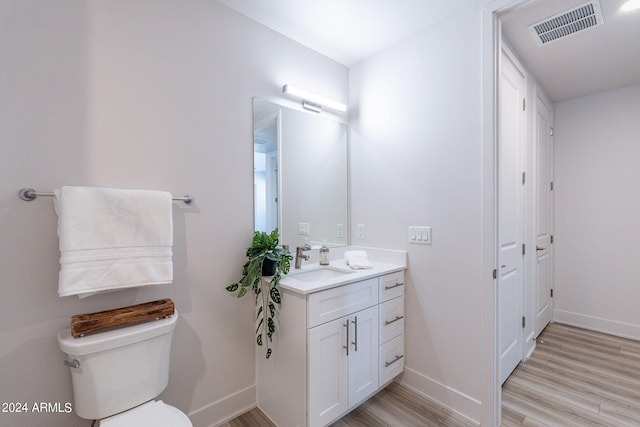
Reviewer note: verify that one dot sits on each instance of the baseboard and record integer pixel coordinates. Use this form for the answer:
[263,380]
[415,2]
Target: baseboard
[611,327]
[225,409]
[529,345]
[451,399]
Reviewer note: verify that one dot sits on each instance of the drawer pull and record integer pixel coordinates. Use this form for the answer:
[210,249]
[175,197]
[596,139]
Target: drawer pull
[388,322]
[386,288]
[387,364]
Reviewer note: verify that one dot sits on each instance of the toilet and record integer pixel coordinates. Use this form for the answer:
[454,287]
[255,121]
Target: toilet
[116,375]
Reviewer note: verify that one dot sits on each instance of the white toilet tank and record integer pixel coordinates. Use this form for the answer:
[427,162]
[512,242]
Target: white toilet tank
[119,369]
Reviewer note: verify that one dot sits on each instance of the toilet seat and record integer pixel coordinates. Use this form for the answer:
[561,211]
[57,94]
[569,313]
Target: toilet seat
[150,414]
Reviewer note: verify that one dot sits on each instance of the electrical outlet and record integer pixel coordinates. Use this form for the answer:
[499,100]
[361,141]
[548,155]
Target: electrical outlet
[340,230]
[360,229]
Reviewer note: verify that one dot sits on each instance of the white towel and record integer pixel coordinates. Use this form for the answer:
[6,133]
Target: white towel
[357,260]
[113,239]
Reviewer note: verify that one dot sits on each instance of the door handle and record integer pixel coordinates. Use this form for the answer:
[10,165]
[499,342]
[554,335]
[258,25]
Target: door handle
[538,248]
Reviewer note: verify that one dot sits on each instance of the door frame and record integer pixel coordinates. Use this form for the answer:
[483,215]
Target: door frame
[491,394]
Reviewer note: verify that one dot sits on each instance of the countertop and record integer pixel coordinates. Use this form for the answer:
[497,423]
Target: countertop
[290,283]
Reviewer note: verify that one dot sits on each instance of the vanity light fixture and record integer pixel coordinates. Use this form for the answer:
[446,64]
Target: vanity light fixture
[631,5]
[311,101]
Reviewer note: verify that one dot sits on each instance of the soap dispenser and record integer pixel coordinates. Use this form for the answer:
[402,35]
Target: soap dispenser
[324,253]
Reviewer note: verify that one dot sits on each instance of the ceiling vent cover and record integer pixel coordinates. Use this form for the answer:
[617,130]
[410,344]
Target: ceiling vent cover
[566,23]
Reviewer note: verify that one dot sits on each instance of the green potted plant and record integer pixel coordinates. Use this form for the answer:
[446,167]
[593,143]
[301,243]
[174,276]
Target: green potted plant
[266,264]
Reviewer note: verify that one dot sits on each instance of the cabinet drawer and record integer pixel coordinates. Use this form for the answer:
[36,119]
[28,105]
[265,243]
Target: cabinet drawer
[391,359]
[333,303]
[391,286]
[391,315]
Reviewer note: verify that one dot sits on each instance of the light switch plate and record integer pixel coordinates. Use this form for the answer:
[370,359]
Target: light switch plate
[360,229]
[419,235]
[303,228]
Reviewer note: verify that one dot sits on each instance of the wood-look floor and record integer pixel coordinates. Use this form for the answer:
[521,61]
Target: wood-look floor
[393,406]
[574,377]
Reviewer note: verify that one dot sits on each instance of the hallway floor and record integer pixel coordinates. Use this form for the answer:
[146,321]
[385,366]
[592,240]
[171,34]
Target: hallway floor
[575,377]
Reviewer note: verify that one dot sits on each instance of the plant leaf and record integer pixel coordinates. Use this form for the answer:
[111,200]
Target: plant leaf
[242,292]
[259,325]
[268,353]
[259,339]
[259,312]
[275,295]
[232,288]
[272,309]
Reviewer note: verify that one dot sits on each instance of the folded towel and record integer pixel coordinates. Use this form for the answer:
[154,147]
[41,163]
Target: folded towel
[113,239]
[357,260]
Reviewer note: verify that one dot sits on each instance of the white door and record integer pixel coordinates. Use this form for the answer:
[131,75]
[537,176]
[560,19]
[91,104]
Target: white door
[543,223]
[363,355]
[510,229]
[327,364]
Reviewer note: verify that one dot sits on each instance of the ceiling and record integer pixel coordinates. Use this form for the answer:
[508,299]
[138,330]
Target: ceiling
[349,31]
[594,60]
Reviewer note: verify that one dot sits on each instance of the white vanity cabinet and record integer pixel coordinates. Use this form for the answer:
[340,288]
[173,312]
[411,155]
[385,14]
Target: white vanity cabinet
[332,351]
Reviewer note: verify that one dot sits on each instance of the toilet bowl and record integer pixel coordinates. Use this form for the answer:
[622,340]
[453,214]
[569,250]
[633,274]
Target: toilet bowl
[116,375]
[152,414]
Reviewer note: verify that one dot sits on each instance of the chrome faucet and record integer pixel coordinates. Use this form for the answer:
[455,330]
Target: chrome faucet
[300,254]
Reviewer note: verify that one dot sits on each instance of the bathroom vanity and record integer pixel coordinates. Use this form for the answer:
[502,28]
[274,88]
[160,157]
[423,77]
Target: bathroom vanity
[340,340]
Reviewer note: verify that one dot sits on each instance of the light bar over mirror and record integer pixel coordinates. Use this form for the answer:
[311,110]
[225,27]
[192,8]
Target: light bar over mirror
[313,102]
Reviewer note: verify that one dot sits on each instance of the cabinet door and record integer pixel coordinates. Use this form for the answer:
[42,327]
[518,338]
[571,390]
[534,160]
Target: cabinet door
[327,365]
[363,355]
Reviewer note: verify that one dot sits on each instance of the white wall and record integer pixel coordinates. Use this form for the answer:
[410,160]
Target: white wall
[416,159]
[597,232]
[149,94]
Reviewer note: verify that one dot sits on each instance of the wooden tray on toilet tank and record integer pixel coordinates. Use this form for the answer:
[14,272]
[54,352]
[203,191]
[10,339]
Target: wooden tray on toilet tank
[92,322]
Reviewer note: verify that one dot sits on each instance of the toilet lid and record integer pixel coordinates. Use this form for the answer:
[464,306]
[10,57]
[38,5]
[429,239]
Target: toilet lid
[150,414]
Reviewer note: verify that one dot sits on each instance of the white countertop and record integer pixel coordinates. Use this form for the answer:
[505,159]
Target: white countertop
[290,283]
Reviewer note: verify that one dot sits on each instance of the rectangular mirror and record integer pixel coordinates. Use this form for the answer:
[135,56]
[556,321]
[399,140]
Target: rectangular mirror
[300,175]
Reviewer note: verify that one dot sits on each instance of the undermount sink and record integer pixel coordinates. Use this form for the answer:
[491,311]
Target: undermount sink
[320,274]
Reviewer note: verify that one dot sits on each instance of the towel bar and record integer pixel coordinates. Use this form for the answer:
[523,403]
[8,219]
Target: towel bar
[29,194]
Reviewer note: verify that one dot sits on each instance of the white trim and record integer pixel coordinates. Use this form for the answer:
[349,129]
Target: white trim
[225,409]
[491,35]
[598,324]
[464,405]
[490,408]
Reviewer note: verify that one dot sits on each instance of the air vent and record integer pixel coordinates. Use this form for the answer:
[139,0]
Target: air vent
[566,23]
